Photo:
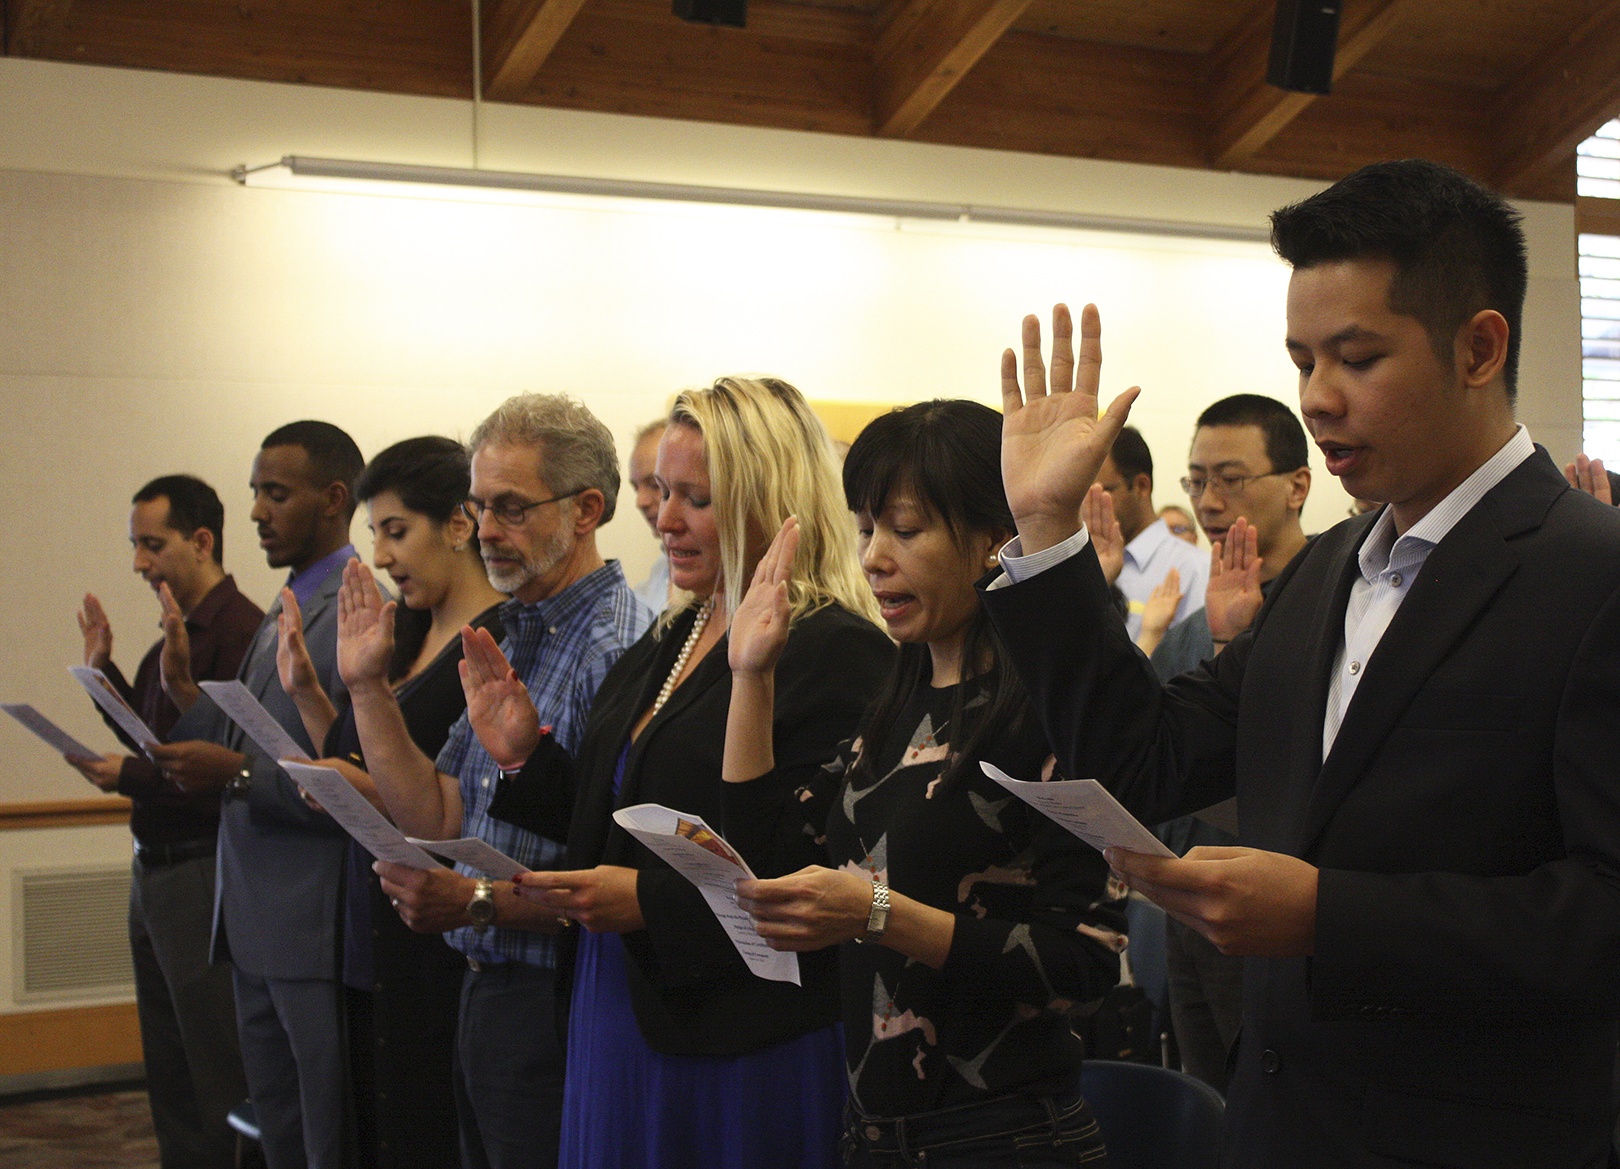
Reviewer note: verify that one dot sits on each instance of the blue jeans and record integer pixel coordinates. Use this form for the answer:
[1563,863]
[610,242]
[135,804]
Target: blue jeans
[1032,1132]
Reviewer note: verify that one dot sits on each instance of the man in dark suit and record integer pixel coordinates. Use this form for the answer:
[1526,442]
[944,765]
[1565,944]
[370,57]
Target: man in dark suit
[281,861]
[1419,727]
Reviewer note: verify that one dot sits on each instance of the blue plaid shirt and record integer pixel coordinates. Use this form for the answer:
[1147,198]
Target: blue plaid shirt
[562,648]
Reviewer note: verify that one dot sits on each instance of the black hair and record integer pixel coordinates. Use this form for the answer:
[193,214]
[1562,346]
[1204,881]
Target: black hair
[432,476]
[1131,456]
[945,455]
[1457,248]
[333,455]
[1286,445]
[192,505]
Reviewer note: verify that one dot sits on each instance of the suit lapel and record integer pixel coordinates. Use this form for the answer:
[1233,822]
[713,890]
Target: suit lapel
[259,667]
[1457,583]
[1324,633]
[709,672]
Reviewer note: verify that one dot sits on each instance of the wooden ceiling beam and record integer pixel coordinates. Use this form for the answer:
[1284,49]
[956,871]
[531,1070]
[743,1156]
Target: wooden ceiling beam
[1249,113]
[927,48]
[32,24]
[1558,102]
[518,36]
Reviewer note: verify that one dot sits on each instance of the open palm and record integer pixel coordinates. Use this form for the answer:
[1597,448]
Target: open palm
[365,629]
[1053,442]
[1233,597]
[759,629]
[498,704]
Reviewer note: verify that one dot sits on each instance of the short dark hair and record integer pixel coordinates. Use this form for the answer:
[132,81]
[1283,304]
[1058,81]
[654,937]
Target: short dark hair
[1131,455]
[333,455]
[945,454]
[1286,445]
[192,505]
[432,476]
[1457,248]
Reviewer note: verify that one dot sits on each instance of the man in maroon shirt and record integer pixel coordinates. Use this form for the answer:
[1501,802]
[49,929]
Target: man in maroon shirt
[187,1010]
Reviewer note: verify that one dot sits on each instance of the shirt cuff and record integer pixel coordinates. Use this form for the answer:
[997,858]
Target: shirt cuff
[1016,567]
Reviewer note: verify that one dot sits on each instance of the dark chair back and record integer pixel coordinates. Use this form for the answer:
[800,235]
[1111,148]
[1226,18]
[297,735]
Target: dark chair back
[1153,1117]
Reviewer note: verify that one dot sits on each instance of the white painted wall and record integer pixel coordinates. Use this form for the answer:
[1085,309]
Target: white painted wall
[156,317]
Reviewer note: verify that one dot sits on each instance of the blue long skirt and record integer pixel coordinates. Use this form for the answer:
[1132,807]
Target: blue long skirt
[626,1106]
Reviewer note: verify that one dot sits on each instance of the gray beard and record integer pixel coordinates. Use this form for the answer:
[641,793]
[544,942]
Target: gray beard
[545,558]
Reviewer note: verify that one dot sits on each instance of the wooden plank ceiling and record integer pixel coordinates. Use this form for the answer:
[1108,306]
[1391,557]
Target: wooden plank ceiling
[1503,89]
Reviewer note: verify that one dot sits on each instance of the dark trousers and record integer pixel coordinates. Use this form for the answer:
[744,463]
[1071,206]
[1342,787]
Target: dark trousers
[1206,1003]
[509,1068]
[294,1047]
[1032,1132]
[187,1012]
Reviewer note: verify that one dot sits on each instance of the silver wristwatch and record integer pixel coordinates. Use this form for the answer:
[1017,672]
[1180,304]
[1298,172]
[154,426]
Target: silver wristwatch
[878,919]
[481,909]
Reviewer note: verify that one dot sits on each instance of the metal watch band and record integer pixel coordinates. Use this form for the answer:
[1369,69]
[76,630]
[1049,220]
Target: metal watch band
[878,919]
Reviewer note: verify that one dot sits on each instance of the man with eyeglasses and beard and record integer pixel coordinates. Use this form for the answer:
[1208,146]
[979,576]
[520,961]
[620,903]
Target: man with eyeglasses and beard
[545,476]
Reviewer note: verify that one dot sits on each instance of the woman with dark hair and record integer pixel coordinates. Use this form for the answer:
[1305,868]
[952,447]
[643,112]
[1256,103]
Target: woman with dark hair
[990,923]
[403,988]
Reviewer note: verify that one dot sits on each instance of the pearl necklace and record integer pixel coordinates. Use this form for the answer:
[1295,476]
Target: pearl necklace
[698,626]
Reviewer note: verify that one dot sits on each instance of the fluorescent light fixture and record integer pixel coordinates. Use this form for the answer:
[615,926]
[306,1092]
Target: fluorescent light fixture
[351,176]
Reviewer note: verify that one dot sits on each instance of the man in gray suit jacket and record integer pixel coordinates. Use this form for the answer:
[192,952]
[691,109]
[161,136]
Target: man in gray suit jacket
[280,864]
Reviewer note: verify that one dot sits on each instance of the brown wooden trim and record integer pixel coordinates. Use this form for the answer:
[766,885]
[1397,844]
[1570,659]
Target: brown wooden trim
[1251,112]
[1597,216]
[64,813]
[73,1037]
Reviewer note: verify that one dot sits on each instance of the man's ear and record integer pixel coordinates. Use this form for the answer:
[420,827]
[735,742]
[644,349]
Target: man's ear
[203,541]
[336,496]
[588,508]
[1481,348]
[1299,486]
[1142,484]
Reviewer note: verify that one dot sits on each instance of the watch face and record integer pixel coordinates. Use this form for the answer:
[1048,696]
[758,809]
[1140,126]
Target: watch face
[481,909]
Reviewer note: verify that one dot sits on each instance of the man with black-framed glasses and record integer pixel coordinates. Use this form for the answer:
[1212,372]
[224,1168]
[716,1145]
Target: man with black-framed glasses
[545,477]
[1249,462]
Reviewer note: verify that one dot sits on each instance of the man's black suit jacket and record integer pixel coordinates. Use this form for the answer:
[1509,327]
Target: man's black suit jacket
[1460,1006]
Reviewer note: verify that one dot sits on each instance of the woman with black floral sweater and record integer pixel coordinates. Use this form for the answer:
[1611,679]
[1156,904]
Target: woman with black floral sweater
[969,923]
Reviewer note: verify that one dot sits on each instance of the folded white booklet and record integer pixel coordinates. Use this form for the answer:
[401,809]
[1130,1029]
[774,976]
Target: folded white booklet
[699,853]
[247,712]
[355,813]
[1085,808]
[475,853]
[62,742]
[96,685]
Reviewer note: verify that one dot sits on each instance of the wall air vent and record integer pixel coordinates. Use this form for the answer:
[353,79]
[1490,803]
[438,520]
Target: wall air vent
[70,933]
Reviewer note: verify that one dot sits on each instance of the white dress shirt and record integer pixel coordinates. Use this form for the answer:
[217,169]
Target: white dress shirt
[1388,567]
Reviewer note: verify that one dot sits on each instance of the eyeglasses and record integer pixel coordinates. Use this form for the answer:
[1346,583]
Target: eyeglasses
[1224,483]
[509,513]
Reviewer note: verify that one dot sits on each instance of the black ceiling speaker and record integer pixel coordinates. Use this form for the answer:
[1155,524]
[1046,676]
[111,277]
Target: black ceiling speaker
[1303,41]
[731,13]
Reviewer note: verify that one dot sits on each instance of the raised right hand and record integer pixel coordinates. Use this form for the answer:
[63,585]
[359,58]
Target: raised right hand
[97,631]
[1233,597]
[759,629]
[499,708]
[365,646]
[1053,442]
[293,662]
[1097,513]
[174,662]
[1584,474]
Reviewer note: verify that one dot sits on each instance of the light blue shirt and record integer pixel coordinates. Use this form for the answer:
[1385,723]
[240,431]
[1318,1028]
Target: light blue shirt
[1149,559]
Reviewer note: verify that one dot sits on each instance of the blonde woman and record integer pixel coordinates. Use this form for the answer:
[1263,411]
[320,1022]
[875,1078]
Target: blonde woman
[677,1055]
